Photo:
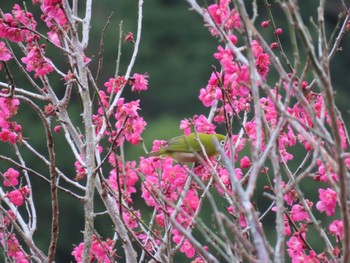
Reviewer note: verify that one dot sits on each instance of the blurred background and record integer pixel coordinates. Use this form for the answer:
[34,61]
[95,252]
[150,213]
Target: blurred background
[177,53]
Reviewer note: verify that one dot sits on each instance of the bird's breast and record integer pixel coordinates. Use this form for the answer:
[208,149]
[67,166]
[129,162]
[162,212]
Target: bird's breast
[184,157]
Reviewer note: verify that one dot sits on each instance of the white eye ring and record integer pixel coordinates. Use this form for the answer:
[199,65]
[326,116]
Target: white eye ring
[222,142]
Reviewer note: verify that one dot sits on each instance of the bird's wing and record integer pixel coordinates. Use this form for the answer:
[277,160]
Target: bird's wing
[177,144]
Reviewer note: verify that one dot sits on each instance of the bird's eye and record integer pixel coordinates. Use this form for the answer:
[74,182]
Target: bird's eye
[222,142]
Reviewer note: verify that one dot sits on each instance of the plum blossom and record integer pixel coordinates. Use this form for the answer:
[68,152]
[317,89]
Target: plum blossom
[11,177]
[336,228]
[328,201]
[16,197]
[35,61]
[5,54]
[101,251]
[139,82]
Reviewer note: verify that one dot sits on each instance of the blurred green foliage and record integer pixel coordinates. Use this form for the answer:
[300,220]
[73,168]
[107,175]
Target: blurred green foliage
[177,52]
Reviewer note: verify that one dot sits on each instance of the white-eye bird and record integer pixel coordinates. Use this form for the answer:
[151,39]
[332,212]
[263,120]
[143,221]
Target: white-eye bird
[187,149]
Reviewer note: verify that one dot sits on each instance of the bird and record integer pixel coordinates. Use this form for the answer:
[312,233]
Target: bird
[187,148]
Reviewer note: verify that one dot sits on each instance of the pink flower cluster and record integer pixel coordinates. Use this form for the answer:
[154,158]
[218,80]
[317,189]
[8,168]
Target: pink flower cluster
[15,252]
[224,16]
[11,177]
[16,196]
[328,201]
[101,251]
[35,61]
[164,184]
[113,85]
[124,177]
[231,86]
[20,25]
[5,54]
[128,122]
[10,131]
[296,250]
[161,192]
[53,13]
[139,82]
[11,26]
[200,123]
[297,246]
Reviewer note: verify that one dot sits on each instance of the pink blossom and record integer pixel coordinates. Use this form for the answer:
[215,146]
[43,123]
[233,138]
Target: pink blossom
[115,84]
[175,175]
[157,145]
[295,246]
[128,120]
[8,108]
[53,36]
[191,200]
[131,219]
[81,171]
[78,253]
[186,126]
[24,17]
[11,177]
[14,250]
[217,13]
[224,54]
[234,20]
[188,249]
[298,213]
[127,179]
[347,161]
[245,162]
[202,124]
[328,201]
[139,82]
[342,134]
[325,172]
[11,33]
[35,61]
[101,251]
[336,228]
[126,109]
[222,14]
[5,54]
[16,197]
[11,23]
[256,48]
[287,230]
[211,92]
[53,12]
[233,39]
[133,129]
[250,128]
[8,136]
[262,63]
[160,220]
[208,95]
[103,103]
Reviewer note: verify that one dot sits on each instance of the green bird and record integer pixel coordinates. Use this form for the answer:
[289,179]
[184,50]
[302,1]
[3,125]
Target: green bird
[187,149]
